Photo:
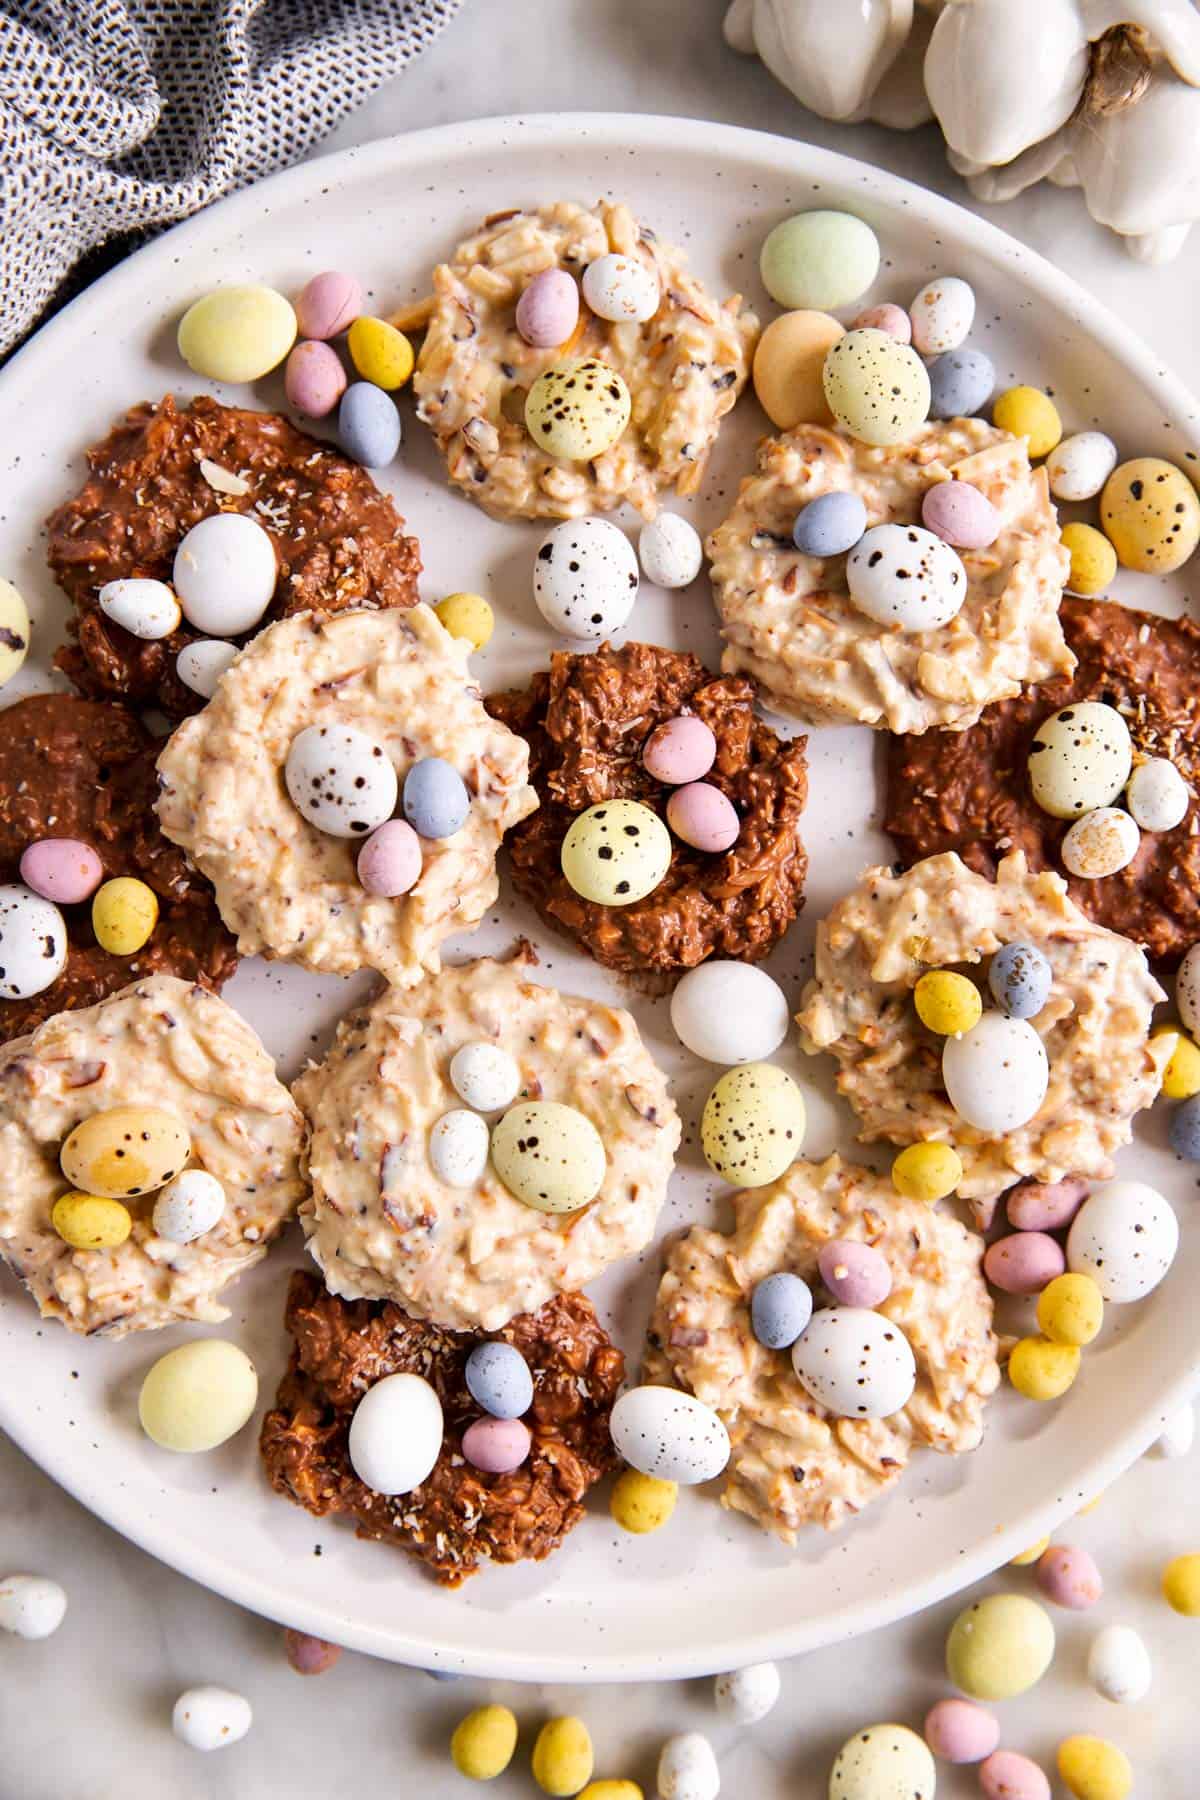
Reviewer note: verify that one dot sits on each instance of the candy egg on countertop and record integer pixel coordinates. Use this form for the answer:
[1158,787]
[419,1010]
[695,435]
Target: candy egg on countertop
[752,1127]
[999,1647]
[237,333]
[340,780]
[788,366]
[1007,1775]
[856,1274]
[616,853]
[498,1379]
[198,1396]
[1187,990]
[497,1446]
[1157,795]
[670,1435]
[830,524]
[747,1695]
[396,1434]
[549,1156]
[1045,1206]
[781,1306]
[670,551]
[906,578]
[701,815]
[1024,1262]
[622,289]
[62,870]
[327,304]
[1150,511]
[942,315]
[14,631]
[224,574]
[33,942]
[1100,843]
[1020,979]
[188,1206]
[484,1076]
[146,609]
[1118,1665]
[585,578]
[680,750]
[883,1762]
[577,410]
[855,1362]
[458,1147]
[819,259]
[887,317]
[1080,759]
[31,1606]
[1067,1575]
[548,309]
[211,1718]
[687,1768]
[729,1012]
[1091,1768]
[368,425]
[309,1655]
[876,388]
[201,665]
[961,515]
[1124,1236]
[436,801]
[125,1151]
[996,1074]
[1079,466]
[314,380]
[960,384]
[959,1731]
[389,863]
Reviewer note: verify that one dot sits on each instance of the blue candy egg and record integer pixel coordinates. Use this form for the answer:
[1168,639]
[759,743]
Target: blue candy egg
[1185,1129]
[780,1309]
[830,524]
[960,384]
[368,425]
[499,1381]
[436,801]
[1020,978]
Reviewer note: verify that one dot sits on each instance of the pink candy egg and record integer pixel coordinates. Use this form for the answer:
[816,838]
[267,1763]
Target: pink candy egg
[1007,1775]
[1045,1205]
[681,750]
[61,869]
[314,380]
[328,304]
[548,309]
[389,863]
[856,1274]
[958,1731]
[892,319]
[309,1655]
[1068,1576]
[497,1446]
[1024,1262]
[701,815]
[961,515]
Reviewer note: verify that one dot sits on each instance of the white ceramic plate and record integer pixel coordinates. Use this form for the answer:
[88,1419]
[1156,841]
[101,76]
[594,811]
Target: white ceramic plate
[710,1592]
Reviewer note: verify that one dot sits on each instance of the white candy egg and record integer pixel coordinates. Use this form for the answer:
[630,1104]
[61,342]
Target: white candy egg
[31,1606]
[485,1076]
[33,942]
[1079,759]
[1079,466]
[585,578]
[1157,795]
[1100,843]
[458,1148]
[188,1206]
[145,608]
[396,1434]
[884,1762]
[670,551]
[1118,1665]
[1124,1236]
[622,289]
[1187,990]
[687,1768]
[729,1012]
[201,665]
[855,1362]
[341,780]
[747,1695]
[671,1435]
[225,574]
[996,1074]
[942,315]
[210,1718]
[1178,1434]
[906,578]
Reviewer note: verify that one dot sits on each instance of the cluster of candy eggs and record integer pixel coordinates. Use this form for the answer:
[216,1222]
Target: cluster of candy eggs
[58,872]
[586,575]
[125,1153]
[1080,763]
[994,1065]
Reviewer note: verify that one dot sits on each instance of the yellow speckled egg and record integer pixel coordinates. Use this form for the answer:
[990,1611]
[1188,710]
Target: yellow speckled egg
[89,1222]
[549,1156]
[1094,1769]
[616,853]
[1150,511]
[125,1151]
[124,914]
[753,1124]
[379,352]
[467,616]
[1093,559]
[577,410]
[883,1762]
[788,366]
[237,333]
[196,1397]
[999,1647]
[14,631]
[876,387]
[1079,759]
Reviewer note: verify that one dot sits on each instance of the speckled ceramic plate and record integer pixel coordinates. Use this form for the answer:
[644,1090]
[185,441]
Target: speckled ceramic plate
[711,1592]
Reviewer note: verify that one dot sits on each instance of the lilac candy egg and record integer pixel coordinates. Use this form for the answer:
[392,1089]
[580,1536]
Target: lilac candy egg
[328,304]
[701,815]
[1024,1262]
[1007,1775]
[497,1446]
[64,870]
[389,863]
[958,1731]
[1046,1205]
[892,319]
[830,524]
[855,1273]
[960,384]
[680,751]
[960,515]
[1068,1576]
[548,310]
[314,380]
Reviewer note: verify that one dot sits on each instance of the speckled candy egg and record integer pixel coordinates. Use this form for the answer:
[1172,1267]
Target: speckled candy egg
[747,1695]
[1080,759]
[670,551]
[831,524]
[942,315]
[1024,1262]
[549,1156]
[680,750]
[458,1147]
[497,1446]
[62,870]
[340,780]
[396,1434]
[781,1306]
[906,578]
[670,1435]
[125,1150]
[484,1076]
[961,515]
[1118,1665]
[1020,979]
[616,853]
[1187,990]
[577,411]
[33,942]
[224,574]
[960,384]
[201,665]
[1045,1206]
[1067,1575]
[856,1274]
[314,380]
[1100,843]
[819,259]
[999,1647]
[548,309]
[211,1718]
[1124,1236]
[752,1127]
[883,1762]
[958,1731]
[585,578]
[389,863]
[702,816]
[996,1074]
[328,304]
[31,1606]
[687,1768]
[236,333]
[1150,511]
[368,425]
[498,1379]
[1157,795]
[144,608]
[1007,1775]
[876,388]
[436,801]
[729,1012]
[622,289]
[885,317]
[14,631]
[1079,466]
[189,1206]
[855,1362]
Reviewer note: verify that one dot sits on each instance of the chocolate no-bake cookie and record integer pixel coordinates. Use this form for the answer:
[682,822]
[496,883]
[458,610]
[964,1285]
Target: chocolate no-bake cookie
[339,541]
[974,797]
[72,768]
[459,1517]
[587,720]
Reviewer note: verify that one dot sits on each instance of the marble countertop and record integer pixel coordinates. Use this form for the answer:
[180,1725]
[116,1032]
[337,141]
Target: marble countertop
[87,1712]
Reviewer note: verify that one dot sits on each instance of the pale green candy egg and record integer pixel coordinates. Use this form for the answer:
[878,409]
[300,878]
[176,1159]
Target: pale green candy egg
[125,1151]
[999,1647]
[877,388]
[14,631]
[753,1124]
[1079,759]
[616,852]
[549,1156]
[883,1762]
[577,410]
[196,1397]
[237,333]
[819,259]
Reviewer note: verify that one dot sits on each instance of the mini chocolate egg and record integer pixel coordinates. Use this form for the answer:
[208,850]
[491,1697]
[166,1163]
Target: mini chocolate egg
[125,1150]
[1020,979]
[314,380]
[484,1076]
[340,780]
[781,1306]
[200,665]
[670,551]
[729,1012]
[788,365]
[856,1363]
[327,304]
[680,750]
[498,1379]
[188,1206]
[702,816]
[622,289]
[819,259]
[585,578]
[548,309]
[999,1647]
[211,1718]
[124,915]
[224,574]
[198,1396]
[959,1731]
[616,853]
[14,631]
[1024,1262]
[1187,990]
[856,1274]
[436,801]
[830,524]
[31,1606]
[458,1147]
[1118,1665]
[752,1127]
[886,317]
[62,870]
[960,384]
[1079,466]
[396,1434]
[389,863]
[670,1435]
[1150,511]
[876,388]
[368,425]
[549,1156]
[906,578]
[380,353]
[144,608]
[1045,1205]
[33,942]
[236,333]
[1080,759]
[1157,795]
[1093,559]
[1100,843]
[687,1769]
[1007,1775]
[942,315]
[1124,1236]
[747,1695]
[961,515]
[497,1446]
[996,1074]
[883,1762]
[1184,1131]
[1067,1575]
[577,410]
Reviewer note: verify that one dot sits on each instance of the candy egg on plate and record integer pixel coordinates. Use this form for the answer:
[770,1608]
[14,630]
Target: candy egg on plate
[729,1012]
[819,259]
[752,1127]
[680,750]
[788,365]
[884,1762]
[549,1156]
[396,1434]
[585,578]
[1157,795]
[961,514]
[1020,979]
[125,1150]
[498,1379]
[622,289]
[458,1147]
[198,1396]
[960,384]
[188,1206]
[876,388]
[1124,1236]
[942,315]
[885,317]
[906,578]
[236,333]
[146,609]
[830,524]
[855,1362]
[224,574]
[616,853]
[484,1076]
[1150,511]
[1079,466]
[670,551]
[33,937]
[1080,759]
[315,380]
[201,665]
[855,1273]
[548,309]
[389,862]
[436,801]
[327,304]
[1187,990]
[340,780]
[577,411]
[781,1306]
[368,424]
[61,870]
[996,1074]
[670,1435]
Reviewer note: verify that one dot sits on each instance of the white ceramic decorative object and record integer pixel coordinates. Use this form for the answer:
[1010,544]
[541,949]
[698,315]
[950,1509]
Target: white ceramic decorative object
[843,62]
